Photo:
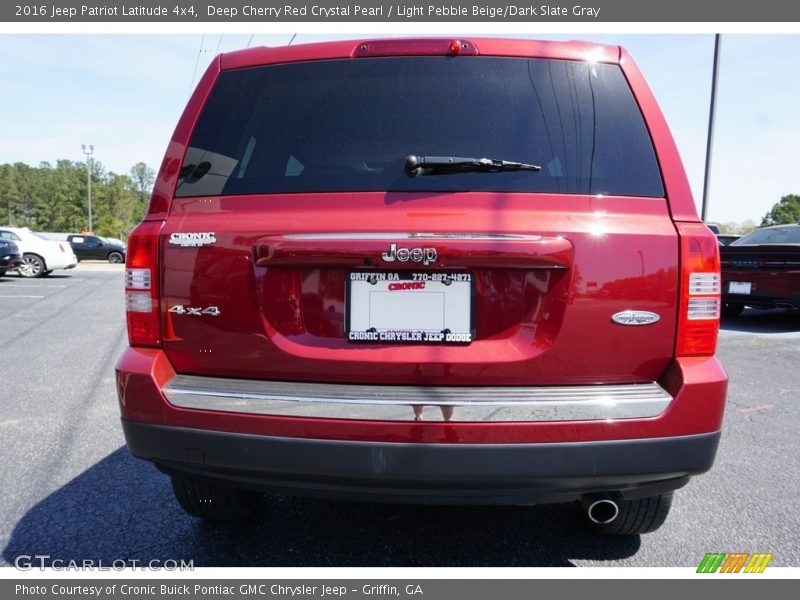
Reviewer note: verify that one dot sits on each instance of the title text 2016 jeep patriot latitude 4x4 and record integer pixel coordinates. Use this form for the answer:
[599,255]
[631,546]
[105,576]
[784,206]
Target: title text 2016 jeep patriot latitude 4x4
[424,270]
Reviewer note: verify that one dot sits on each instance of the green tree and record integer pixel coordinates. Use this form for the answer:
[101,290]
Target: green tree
[21,190]
[143,179]
[729,227]
[71,178]
[6,193]
[747,226]
[116,202]
[53,197]
[785,211]
[734,228]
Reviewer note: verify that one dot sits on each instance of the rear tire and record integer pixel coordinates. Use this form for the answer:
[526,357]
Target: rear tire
[636,516]
[730,309]
[215,502]
[2,272]
[32,266]
[116,258]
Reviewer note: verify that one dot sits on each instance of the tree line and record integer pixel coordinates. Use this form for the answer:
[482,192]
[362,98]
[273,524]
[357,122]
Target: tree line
[54,197]
[783,212]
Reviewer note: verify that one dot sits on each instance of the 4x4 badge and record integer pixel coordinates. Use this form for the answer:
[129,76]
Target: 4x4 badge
[195,311]
[635,317]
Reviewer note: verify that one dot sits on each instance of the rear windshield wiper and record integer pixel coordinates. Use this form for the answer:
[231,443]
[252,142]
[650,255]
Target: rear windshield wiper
[441,165]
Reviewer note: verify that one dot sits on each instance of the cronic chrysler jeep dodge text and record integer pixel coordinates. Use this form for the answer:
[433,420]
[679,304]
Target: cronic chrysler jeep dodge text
[425,270]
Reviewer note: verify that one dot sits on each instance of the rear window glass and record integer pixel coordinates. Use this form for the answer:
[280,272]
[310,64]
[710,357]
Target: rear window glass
[347,125]
[779,235]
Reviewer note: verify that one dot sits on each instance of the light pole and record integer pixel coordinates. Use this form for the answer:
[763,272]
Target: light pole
[88,154]
[711,113]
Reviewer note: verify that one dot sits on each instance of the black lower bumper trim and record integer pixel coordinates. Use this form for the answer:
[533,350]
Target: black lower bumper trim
[763,302]
[426,473]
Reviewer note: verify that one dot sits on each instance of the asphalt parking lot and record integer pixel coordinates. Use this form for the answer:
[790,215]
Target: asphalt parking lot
[71,490]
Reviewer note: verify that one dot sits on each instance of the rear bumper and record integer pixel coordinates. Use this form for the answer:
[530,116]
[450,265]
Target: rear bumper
[61,262]
[695,391]
[764,300]
[770,289]
[479,456]
[430,473]
[10,262]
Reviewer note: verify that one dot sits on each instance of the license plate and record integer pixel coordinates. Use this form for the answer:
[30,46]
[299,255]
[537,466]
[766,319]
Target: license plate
[409,308]
[739,287]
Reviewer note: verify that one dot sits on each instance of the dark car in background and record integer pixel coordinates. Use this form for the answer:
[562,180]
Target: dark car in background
[762,270]
[723,238]
[10,256]
[726,239]
[94,247]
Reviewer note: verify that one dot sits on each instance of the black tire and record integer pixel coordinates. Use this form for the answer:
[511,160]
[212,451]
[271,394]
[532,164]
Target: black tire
[32,266]
[2,272]
[215,502]
[731,309]
[636,516]
[46,273]
[116,258]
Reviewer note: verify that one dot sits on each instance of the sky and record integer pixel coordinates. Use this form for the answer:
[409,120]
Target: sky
[123,93]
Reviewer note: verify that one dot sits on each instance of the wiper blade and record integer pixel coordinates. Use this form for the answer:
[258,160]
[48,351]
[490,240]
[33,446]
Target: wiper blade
[441,165]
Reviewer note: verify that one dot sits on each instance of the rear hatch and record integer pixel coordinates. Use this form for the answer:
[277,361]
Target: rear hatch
[299,247]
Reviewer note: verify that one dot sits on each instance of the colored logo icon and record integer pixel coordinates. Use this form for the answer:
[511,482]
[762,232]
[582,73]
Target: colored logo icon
[736,562]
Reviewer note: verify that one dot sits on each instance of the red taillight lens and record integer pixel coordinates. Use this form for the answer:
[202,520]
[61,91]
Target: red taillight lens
[141,285]
[698,319]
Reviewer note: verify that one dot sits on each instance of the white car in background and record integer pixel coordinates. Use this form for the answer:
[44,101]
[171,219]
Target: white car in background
[40,256]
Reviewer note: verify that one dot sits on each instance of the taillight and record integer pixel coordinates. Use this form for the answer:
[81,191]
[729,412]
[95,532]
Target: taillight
[698,320]
[429,46]
[141,285]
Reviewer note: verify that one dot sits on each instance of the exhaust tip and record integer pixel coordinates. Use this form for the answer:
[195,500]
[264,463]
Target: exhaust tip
[602,511]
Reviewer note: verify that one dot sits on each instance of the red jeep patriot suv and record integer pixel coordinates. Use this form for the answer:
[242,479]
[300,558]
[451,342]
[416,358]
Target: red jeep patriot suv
[424,270]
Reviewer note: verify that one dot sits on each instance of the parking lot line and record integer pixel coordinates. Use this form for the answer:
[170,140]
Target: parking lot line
[44,285]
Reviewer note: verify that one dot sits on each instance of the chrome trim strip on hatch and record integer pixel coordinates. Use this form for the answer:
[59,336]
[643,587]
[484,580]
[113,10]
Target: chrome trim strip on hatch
[409,403]
[388,235]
